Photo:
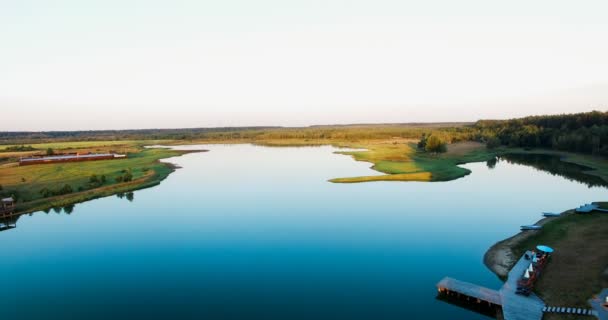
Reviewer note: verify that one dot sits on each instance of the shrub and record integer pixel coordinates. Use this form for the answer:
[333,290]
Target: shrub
[127,177]
[435,144]
[422,142]
[492,143]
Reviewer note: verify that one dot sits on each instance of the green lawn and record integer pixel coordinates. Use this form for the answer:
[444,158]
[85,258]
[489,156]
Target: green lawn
[575,272]
[26,182]
[87,144]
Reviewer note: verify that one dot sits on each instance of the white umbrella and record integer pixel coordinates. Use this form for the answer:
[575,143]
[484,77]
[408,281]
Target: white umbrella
[531,269]
[527,274]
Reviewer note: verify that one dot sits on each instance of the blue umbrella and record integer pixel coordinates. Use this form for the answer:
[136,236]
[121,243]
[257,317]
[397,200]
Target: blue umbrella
[544,249]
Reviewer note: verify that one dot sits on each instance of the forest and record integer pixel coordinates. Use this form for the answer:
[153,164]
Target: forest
[581,132]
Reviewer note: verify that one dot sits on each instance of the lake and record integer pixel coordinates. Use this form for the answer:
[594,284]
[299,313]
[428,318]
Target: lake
[250,232]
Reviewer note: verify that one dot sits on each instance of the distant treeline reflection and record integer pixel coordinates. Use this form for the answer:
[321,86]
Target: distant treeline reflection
[553,165]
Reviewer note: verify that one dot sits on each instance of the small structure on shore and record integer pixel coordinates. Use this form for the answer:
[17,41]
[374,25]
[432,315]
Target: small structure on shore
[551,214]
[587,208]
[530,227]
[7,205]
[69,157]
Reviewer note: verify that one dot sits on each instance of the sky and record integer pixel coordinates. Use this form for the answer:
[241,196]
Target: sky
[117,64]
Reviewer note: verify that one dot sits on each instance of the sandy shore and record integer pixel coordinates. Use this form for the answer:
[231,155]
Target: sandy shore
[500,258]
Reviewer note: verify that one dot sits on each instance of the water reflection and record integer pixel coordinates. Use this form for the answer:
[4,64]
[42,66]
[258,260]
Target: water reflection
[555,166]
[247,232]
[130,196]
[492,163]
[8,223]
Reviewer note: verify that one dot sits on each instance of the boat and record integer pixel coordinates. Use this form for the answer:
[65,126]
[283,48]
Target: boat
[551,214]
[531,227]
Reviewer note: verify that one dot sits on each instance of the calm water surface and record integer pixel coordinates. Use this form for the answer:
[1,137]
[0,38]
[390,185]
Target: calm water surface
[247,232]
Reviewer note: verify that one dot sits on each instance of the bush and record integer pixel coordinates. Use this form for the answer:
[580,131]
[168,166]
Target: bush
[18,148]
[127,177]
[435,144]
[492,143]
[422,142]
[46,192]
[66,189]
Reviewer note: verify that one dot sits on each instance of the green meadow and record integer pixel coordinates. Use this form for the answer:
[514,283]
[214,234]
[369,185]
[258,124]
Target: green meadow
[575,272]
[402,161]
[28,183]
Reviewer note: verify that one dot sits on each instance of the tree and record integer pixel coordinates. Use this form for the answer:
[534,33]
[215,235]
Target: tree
[93,179]
[45,192]
[435,144]
[66,189]
[492,143]
[422,142]
[103,178]
[127,177]
[50,152]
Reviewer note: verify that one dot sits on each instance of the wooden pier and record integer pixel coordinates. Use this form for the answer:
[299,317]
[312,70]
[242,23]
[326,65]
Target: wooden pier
[514,306]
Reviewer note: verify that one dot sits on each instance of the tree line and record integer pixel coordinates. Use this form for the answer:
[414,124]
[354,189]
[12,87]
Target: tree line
[581,132]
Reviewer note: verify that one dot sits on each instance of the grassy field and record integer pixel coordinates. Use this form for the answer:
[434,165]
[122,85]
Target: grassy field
[577,269]
[27,183]
[401,161]
[86,144]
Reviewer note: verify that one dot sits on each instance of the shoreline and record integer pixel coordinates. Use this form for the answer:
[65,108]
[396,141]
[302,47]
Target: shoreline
[499,258]
[147,181]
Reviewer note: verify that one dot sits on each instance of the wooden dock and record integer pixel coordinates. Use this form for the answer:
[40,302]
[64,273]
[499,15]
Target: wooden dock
[469,290]
[514,306]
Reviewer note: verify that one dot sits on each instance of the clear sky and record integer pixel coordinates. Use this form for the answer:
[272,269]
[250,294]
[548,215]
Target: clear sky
[110,64]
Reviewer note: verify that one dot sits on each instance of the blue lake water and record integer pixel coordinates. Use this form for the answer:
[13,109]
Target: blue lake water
[249,232]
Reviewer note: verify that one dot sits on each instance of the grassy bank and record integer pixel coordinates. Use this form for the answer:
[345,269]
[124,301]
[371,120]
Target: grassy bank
[577,268]
[401,161]
[37,187]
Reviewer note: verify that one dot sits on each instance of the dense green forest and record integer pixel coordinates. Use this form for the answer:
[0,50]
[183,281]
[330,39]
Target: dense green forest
[581,132]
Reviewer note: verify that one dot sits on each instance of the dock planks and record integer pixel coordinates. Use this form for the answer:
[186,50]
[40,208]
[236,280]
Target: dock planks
[514,306]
